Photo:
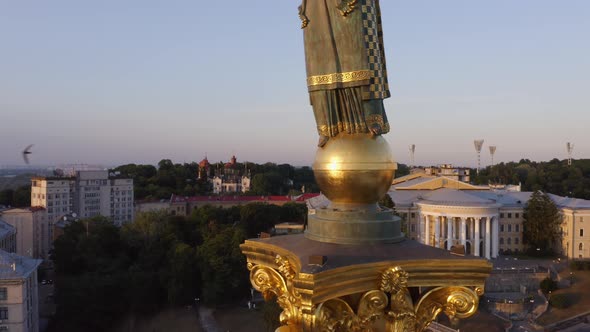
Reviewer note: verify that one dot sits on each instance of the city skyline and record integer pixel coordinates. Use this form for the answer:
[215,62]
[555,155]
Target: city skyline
[110,83]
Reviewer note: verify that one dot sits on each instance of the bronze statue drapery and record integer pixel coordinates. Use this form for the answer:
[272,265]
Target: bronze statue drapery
[345,60]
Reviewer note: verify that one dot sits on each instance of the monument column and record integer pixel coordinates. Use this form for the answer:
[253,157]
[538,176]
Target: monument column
[450,236]
[350,270]
[476,222]
[487,238]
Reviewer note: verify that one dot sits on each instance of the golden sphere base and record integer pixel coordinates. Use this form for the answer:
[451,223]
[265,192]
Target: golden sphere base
[354,169]
[354,172]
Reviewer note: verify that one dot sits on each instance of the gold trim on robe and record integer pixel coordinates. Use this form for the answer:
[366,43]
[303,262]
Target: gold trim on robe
[351,76]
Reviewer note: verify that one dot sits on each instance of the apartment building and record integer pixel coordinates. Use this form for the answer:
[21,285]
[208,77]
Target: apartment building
[19,302]
[7,236]
[30,231]
[88,194]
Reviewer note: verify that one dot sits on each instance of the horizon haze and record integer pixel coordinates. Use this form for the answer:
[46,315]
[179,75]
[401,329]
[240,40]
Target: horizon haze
[113,83]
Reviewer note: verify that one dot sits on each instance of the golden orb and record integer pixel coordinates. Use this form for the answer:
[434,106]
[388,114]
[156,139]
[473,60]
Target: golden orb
[354,169]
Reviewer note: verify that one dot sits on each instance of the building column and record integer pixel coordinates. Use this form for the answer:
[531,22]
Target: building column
[495,240]
[463,232]
[487,240]
[418,225]
[437,232]
[426,231]
[476,237]
[450,236]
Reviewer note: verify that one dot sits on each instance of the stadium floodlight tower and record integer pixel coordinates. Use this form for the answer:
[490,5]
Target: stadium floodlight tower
[478,143]
[412,148]
[492,152]
[570,149]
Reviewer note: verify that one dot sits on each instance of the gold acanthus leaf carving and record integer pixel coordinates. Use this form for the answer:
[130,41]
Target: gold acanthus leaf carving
[401,316]
[333,315]
[285,267]
[459,302]
[272,284]
[337,315]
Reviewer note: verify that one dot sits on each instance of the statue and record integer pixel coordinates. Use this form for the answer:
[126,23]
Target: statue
[345,60]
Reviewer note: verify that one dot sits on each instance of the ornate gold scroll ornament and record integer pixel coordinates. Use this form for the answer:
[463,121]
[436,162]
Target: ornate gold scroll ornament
[390,308]
[455,302]
[272,283]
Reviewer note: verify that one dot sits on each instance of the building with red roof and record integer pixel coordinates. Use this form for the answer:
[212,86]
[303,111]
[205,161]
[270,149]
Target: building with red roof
[183,205]
[233,178]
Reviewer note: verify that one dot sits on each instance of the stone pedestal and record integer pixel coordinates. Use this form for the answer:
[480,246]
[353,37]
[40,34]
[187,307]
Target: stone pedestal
[401,286]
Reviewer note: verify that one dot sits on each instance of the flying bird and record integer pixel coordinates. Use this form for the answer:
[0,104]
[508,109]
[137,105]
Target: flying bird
[26,152]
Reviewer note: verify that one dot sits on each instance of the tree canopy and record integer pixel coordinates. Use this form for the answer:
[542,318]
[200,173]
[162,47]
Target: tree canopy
[19,197]
[554,176]
[168,178]
[104,272]
[541,223]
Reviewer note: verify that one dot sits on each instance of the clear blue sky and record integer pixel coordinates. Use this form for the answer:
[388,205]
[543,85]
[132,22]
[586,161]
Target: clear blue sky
[115,82]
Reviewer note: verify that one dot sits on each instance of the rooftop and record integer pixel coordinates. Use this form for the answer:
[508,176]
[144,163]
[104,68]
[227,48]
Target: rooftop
[240,199]
[6,229]
[23,210]
[13,266]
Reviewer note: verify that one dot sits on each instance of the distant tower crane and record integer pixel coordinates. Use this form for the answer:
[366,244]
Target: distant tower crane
[570,149]
[412,148]
[492,152]
[478,143]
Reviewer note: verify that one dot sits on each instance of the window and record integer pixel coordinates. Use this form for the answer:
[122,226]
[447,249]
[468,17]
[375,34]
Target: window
[515,240]
[581,246]
[581,232]
[501,240]
[501,228]
[508,241]
[3,293]
[509,215]
[3,313]
[517,228]
[412,215]
[501,215]
[517,215]
[413,227]
[509,228]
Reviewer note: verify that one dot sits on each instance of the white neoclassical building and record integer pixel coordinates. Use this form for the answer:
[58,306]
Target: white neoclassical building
[452,218]
[443,212]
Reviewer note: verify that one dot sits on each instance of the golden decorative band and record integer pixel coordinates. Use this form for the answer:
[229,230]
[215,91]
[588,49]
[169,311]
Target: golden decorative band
[351,76]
